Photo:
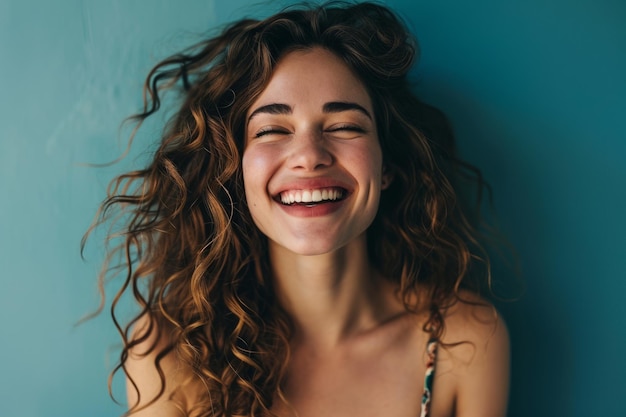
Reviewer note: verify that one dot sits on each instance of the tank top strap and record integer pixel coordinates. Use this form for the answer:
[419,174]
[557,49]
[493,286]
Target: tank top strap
[429,377]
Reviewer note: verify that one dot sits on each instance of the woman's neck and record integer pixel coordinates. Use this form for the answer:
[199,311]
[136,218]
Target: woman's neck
[333,296]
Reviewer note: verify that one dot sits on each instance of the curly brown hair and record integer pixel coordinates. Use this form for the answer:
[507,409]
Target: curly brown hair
[193,258]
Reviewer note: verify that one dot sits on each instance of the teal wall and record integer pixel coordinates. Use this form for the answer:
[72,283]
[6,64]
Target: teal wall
[535,90]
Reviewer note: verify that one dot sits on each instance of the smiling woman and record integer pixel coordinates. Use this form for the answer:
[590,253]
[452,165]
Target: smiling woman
[310,135]
[298,235]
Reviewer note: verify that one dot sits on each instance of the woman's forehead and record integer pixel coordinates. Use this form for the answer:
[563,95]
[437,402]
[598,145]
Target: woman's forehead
[314,76]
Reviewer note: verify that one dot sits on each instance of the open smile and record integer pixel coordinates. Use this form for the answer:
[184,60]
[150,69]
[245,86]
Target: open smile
[311,197]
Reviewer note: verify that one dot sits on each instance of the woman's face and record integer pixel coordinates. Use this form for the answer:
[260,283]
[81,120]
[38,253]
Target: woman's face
[312,165]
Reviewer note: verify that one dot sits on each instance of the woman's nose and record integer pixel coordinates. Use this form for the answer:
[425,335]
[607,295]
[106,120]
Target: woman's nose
[309,151]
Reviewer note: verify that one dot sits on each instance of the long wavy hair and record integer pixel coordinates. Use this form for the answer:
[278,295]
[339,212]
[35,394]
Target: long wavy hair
[193,258]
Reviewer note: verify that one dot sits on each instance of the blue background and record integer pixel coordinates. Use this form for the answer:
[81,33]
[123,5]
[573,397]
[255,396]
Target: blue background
[536,92]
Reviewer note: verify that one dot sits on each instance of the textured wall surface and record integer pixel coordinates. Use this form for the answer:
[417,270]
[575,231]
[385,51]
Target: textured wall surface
[536,93]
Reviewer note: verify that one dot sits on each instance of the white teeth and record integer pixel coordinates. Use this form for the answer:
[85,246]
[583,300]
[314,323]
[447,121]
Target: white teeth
[310,196]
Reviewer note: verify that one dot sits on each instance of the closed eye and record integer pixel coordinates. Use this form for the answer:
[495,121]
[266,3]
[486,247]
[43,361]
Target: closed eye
[336,130]
[270,131]
[345,131]
[349,128]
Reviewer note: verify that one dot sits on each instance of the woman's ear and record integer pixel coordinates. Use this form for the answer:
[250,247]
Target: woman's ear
[387,178]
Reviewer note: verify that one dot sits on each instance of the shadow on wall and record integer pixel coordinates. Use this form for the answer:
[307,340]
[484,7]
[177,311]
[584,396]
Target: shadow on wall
[539,326]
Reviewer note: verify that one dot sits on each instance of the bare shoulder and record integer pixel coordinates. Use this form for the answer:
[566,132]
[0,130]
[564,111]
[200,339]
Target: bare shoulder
[474,357]
[153,372]
[474,319]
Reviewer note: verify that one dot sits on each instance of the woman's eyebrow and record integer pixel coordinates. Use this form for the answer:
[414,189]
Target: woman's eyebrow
[339,106]
[274,108]
[330,107]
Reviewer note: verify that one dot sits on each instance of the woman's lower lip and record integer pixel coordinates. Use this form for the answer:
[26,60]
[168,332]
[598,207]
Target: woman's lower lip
[311,209]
